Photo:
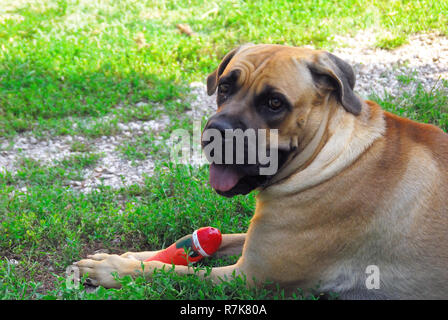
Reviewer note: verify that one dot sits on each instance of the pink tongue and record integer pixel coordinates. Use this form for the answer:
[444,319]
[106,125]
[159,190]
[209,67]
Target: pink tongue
[223,178]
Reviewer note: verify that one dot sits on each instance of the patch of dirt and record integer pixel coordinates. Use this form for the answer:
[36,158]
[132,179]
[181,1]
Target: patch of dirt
[424,58]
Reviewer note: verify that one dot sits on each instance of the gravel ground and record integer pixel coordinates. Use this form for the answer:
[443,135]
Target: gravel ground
[112,169]
[425,58]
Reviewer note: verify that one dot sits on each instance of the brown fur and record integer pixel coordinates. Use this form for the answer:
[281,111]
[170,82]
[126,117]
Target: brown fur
[372,190]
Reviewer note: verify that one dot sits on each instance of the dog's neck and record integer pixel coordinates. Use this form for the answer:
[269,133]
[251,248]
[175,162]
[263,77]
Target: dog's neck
[340,139]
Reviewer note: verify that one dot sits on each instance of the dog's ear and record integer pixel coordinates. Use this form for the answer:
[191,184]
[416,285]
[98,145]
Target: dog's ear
[333,73]
[212,79]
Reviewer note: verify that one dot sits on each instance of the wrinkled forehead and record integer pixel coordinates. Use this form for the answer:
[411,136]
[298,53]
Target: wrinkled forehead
[281,67]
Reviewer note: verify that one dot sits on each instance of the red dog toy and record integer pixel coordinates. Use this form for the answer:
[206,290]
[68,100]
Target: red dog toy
[201,243]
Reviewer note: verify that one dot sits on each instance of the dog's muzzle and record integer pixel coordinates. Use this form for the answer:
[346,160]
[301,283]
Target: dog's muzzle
[234,156]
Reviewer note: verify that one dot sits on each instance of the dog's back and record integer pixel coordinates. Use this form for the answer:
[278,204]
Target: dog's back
[426,148]
[407,238]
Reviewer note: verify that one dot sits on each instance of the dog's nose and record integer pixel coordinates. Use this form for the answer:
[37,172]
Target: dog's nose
[216,124]
[223,123]
[220,123]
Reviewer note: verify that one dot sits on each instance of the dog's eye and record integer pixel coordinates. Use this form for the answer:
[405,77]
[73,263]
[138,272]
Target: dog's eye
[224,88]
[275,104]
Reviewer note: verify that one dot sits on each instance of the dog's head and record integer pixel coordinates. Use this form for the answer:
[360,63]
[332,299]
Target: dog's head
[269,87]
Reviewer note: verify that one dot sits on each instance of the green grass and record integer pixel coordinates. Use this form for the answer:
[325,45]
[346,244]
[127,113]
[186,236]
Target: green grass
[81,67]
[407,78]
[391,41]
[51,226]
[62,59]
[138,148]
[162,284]
[428,106]
[78,146]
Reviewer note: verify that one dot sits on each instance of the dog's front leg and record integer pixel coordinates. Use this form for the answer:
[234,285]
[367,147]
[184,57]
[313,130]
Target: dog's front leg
[232,244]
[140,256]
[101,266]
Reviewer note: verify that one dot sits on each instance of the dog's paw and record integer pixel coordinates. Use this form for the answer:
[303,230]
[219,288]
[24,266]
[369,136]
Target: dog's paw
[99,268]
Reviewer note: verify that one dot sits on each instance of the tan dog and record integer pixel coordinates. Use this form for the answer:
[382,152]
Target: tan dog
[356,186]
